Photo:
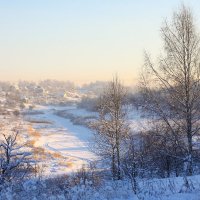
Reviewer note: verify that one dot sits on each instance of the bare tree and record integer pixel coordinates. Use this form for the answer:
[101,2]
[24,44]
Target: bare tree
[171,89]
[131,161]
[14,159]
[111,127]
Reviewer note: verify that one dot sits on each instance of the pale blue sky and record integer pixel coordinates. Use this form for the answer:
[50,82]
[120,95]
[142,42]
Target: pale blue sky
[81,40]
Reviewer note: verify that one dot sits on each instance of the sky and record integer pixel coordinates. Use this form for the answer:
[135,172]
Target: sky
[81,40]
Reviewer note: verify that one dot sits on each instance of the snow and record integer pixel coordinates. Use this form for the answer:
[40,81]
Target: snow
[67,147]
[157,189]
[62,137]
[67,144]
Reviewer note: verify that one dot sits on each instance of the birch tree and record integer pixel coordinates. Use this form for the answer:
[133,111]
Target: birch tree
[111,128]
[171,88]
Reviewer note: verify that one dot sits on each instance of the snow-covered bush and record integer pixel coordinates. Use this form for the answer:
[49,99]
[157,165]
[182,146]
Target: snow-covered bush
[14,157]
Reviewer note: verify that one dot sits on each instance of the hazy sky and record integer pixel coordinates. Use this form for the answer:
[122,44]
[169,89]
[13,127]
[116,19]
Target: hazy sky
[80,40]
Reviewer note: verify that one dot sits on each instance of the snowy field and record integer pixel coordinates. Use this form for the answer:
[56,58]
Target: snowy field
[62,147]
[66,146]
[62,141]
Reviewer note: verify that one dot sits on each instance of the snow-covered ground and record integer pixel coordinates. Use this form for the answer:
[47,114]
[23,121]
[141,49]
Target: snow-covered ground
[67,145]
[62,147]
[60,144]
